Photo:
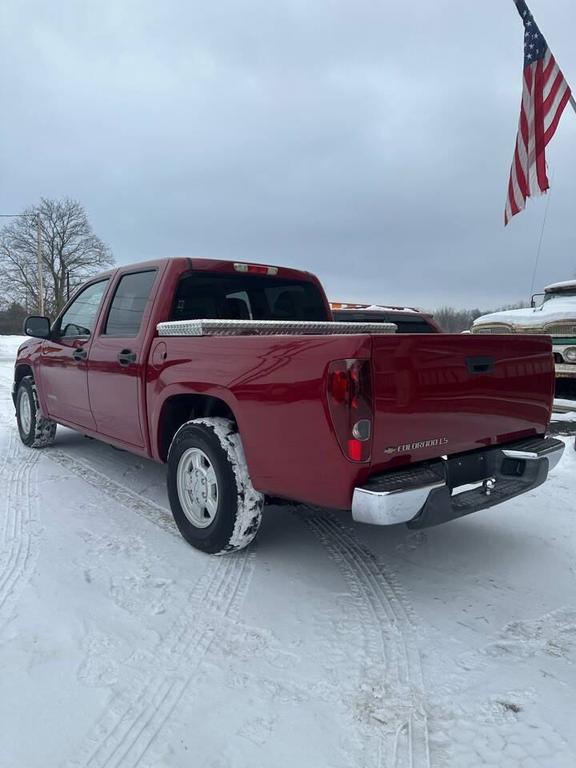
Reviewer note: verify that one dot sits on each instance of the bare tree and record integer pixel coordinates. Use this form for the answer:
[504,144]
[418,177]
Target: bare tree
[71,252]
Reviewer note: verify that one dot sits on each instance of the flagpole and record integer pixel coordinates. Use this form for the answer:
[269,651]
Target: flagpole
[573,102]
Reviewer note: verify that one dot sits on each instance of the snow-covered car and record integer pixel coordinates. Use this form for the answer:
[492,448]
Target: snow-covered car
[406,319]
[555,317]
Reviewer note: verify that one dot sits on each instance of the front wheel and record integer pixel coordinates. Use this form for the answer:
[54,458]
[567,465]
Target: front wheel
[214,503]
[35,430]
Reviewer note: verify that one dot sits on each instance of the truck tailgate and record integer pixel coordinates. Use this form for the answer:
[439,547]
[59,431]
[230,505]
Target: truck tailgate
[443,394]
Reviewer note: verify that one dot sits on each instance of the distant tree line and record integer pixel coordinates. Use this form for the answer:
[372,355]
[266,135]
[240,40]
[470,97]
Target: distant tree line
[12,319]
[453,320]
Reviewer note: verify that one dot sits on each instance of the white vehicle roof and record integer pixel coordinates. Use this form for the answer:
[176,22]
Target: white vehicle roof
[552,311]
[566,285]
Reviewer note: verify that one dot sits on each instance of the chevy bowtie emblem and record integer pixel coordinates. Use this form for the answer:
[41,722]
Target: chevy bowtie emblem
[417,446]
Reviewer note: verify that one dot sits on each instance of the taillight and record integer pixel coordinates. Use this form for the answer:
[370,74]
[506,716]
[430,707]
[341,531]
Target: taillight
[349,393]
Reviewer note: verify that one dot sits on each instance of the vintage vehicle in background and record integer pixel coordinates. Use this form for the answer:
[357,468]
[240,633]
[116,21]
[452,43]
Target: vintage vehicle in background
[237,377]
[555,317]
[406,319]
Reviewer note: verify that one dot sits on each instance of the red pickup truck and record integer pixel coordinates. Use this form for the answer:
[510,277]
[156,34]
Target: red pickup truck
[237,376]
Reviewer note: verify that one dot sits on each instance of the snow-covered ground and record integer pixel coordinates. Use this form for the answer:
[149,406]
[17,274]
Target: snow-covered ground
[326,645]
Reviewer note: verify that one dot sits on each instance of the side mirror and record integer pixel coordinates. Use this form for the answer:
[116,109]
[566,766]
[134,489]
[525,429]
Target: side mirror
[37,326]
[533,299]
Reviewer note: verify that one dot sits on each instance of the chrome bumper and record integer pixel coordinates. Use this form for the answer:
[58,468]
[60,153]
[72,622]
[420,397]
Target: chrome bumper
[553,452]
[450,488]
[390,507]
[565,370]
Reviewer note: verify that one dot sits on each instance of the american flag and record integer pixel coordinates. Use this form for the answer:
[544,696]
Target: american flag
[544,97]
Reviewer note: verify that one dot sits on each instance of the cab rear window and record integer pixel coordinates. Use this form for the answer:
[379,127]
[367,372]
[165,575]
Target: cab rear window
[246,297]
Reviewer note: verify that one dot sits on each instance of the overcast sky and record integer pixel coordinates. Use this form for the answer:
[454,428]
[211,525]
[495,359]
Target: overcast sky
[369,142]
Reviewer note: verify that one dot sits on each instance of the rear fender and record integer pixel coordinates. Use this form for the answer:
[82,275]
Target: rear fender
[204,397]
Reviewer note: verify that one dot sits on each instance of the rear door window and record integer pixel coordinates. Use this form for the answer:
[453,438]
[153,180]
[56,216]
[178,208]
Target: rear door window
[128,305]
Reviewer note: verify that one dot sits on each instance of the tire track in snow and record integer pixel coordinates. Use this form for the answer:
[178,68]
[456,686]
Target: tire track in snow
[7,451]
[140,708]
[6,378]
[17,538]
[132,500]
[389,626]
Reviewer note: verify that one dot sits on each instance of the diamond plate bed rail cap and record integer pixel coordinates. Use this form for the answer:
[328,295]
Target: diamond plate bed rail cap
[268,328]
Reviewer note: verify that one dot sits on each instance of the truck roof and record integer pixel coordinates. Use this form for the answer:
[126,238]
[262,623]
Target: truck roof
[217,265]
[567,285]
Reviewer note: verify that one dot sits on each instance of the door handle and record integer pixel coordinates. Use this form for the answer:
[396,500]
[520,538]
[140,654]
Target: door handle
[126,357]
[79,354]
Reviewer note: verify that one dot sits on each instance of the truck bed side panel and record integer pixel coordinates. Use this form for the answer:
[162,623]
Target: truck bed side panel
[276,388]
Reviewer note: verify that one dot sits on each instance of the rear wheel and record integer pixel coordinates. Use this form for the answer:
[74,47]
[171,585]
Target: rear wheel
[35,430]
[214,504]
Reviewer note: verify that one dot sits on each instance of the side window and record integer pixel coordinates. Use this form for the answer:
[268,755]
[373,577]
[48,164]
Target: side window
[79,319]
[128,304]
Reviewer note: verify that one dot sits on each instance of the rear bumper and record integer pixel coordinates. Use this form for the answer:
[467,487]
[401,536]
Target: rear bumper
[446,489]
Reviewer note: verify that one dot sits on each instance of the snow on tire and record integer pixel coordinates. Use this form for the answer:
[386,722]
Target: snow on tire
[36,431]
[214,503]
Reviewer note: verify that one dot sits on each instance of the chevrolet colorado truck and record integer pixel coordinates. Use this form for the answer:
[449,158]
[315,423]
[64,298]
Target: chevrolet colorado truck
[237,376]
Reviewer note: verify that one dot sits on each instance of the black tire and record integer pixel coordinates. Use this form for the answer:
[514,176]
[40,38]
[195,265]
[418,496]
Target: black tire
[36,431]
[238,511]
